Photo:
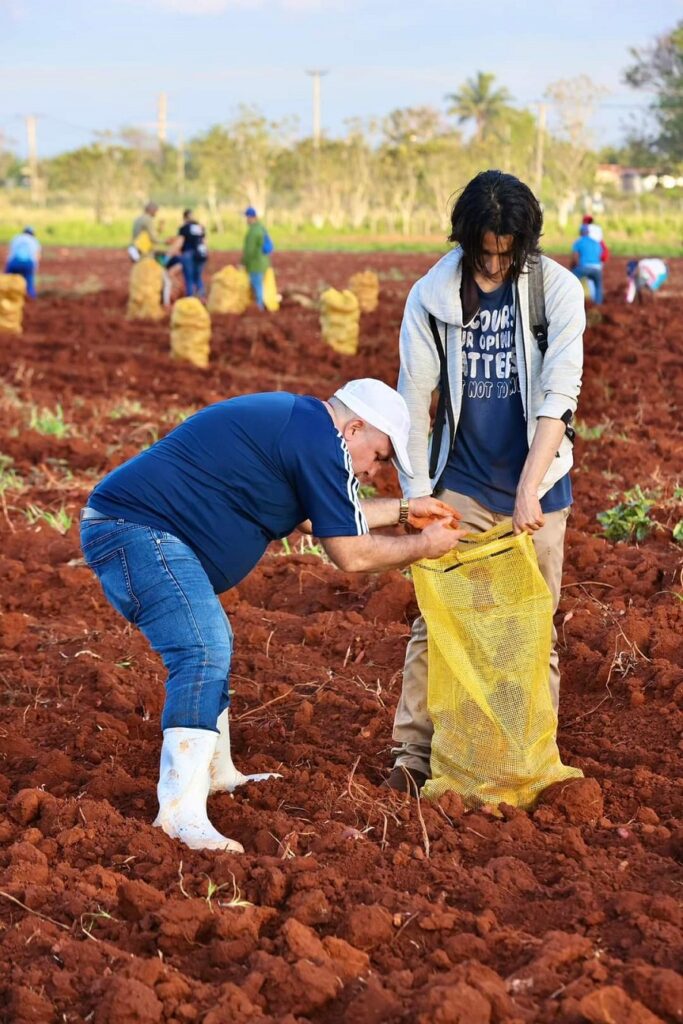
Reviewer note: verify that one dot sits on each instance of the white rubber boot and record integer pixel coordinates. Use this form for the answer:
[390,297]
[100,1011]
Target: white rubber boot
[183,788]
[224,775]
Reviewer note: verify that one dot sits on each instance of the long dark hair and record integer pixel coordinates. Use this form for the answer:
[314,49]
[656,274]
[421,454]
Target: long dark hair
[501,203]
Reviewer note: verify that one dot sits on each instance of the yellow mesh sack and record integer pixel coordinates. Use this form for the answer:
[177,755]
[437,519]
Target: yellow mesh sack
[230,291]
[339,320]
[365,286]
[489,619]
[144,294]
[12,296]
[191,332]
[271,299]
[143,242]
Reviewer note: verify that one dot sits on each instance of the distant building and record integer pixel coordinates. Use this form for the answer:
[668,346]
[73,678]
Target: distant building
[634,180]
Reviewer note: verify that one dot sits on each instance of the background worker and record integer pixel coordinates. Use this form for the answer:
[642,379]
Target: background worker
[645,278]
[254,257]
[144,237]
[586,260]
[504,450]
[193,253]
[23,257]
[596,233]
[189,517]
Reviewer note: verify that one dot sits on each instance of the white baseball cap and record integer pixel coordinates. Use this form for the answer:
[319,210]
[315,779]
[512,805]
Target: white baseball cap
[383,408]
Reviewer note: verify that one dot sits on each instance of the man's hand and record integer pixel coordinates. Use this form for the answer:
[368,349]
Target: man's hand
[426,510]
[376,553]
[527,516]
[441,536]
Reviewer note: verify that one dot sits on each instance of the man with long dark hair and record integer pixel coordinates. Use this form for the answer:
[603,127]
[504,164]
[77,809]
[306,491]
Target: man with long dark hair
[501,445]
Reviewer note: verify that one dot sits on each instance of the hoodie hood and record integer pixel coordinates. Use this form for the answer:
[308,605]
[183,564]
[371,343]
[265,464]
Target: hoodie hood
[439,290]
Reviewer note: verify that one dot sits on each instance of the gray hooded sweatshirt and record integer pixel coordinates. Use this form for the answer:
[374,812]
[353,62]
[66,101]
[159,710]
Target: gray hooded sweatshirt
[549,384]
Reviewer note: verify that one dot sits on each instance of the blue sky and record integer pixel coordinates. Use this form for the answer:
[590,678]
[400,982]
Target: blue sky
[100,64]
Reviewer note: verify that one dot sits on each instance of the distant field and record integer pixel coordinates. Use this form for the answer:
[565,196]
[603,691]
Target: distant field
[648,233]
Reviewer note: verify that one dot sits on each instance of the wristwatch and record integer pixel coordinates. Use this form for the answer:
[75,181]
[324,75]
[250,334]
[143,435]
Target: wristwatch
[404,511]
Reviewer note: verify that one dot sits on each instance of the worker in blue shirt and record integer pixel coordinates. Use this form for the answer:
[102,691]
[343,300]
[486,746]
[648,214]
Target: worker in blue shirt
[189,517]
[586,260]
[23,257]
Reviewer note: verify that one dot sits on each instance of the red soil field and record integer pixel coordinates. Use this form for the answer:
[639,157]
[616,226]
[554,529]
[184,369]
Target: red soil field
[351,904]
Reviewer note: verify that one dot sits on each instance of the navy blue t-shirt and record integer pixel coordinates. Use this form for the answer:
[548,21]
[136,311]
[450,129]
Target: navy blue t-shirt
[193,236]
[238,475]
[491,440]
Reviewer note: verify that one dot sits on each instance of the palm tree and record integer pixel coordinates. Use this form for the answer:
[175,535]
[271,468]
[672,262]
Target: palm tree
[478,101]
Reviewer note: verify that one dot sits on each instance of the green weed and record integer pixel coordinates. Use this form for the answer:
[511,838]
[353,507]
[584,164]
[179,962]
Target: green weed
[629,520]
[235,899]
[9,478]
[60,520]
[367,491]
[678,532]
[49,422]
[306,546]
[179,415]
[592,433]
[153,435]
[126,408]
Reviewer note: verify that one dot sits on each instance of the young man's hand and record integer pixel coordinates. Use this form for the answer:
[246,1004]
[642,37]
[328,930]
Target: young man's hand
[426,510]
[527,516]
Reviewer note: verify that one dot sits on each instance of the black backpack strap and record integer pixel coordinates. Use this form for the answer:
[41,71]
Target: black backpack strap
[567,418]
[537,318]
[444,410]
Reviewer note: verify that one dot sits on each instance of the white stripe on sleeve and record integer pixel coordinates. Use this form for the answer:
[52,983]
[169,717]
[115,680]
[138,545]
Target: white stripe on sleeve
[352,489]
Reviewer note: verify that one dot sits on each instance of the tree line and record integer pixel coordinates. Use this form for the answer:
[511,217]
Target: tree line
[397,173]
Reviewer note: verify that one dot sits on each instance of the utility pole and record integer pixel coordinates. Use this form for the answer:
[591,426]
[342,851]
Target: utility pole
[540,142]
[180,162]
[316,75]
[31,121]
[162,111]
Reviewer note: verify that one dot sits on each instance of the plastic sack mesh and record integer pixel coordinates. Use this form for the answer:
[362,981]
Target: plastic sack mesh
[230,291]
[12,296]
[489,619]
[339,320]
[191,332]
[144,293]
[365,286]
[271,299]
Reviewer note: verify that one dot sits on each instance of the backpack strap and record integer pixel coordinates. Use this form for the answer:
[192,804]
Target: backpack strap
[537,318]
[444,410]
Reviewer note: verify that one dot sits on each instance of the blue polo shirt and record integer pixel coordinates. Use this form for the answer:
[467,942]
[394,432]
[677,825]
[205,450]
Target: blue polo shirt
[238,475]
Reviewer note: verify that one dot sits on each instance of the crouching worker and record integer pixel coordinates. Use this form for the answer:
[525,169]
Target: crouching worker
[189,517]
[645,278]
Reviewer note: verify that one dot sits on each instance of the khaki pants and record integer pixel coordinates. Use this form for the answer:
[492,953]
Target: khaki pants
[412,725]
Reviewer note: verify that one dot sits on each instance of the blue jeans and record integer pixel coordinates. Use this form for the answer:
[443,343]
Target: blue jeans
[27,270]
[157,582]
[594,273]
[257,286]
[192,272]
